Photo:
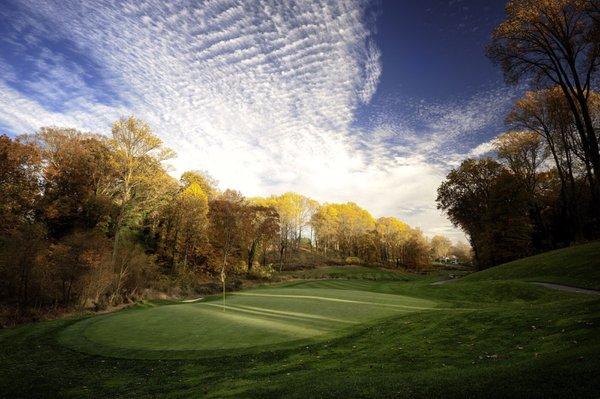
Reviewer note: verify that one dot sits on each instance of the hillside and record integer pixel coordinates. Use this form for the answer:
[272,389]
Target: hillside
[333,332]
[578,266]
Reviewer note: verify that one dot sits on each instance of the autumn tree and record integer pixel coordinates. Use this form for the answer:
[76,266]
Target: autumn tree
[140,177]
[206,182]
[556,43]
[295,212]
[546,113]
[523,153]
[346,228]
[324,223]
[225,229]
[354,226]
[20,168]
[184,228]
[462,251]
[142,184]
[81,267]
[393,235]
[23,264]
[78,179]
[259,227]
[192,206]
[416,250]
[487,202]
[440,247]
[21,235]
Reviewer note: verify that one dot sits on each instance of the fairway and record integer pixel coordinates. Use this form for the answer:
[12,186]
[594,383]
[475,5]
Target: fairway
[263,318]
[343,338]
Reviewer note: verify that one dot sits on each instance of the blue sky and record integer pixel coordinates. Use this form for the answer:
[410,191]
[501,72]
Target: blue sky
[340,100]
[435,48]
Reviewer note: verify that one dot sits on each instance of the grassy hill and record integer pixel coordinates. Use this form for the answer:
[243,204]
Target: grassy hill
[332,332]
[578,266]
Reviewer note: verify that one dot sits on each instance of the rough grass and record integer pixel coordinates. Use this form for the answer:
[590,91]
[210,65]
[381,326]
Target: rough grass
[578,266]
[349,272]
[485,339]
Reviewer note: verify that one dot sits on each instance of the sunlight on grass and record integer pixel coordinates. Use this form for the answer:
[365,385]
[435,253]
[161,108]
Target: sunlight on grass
[320,298]
[265,316]
[246,321]
[298,314]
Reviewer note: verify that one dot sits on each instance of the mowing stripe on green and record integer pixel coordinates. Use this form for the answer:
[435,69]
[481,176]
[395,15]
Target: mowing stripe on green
[260,318]
[320,298]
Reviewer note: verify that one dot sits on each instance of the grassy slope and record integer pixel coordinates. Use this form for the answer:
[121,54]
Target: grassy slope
[349,272]
[504,339]
[578,266]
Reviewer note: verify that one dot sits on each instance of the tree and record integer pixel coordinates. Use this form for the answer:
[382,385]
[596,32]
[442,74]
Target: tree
[545,112]
[20,190]
[224,215]
[416,250]
[393,235]
[347,229]
[487,202]
[259,226]
[23,251]
[21,236]
[81,267]
[440,247]
[141,180]
[324,223]
[206,182]
[185,230]
[524,153]
[295,212]
[77,179]
[138,153]
[354,224]
[462,251]
[555,42]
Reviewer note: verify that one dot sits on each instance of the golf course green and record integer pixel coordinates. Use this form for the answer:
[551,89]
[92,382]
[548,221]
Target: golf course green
[247,319]
[347,332]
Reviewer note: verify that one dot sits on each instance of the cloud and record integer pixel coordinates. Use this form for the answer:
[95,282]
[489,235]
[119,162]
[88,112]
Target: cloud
[261,94]
[482,149]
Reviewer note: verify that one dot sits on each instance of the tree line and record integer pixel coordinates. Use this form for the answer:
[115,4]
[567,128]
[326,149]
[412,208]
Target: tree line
[88,221]
[541,190]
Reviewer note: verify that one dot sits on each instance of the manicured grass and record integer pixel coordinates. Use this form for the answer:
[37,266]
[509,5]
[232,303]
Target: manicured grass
[477,339]
[254,318]
[577,266]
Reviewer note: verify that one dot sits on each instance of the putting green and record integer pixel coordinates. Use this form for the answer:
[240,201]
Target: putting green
[255,318]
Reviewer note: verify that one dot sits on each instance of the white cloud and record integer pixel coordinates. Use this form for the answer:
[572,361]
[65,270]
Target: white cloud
[482,149]
[261,94]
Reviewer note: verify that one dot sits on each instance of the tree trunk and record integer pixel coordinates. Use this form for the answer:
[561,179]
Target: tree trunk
[587,135]
[121,275]
[223,277]
[117,236]
[251,254]
[281,252]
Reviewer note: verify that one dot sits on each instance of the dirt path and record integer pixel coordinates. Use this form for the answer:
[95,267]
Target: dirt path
[559,287]
[567,288]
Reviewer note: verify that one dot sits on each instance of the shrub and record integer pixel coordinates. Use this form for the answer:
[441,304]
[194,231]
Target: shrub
[352,260]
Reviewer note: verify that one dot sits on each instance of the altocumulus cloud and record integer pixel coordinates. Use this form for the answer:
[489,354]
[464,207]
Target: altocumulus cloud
[262,94]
